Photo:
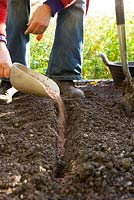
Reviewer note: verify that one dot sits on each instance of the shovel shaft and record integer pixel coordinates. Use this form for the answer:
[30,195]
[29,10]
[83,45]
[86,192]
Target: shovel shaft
[123,51]
[120,19]
[120,16]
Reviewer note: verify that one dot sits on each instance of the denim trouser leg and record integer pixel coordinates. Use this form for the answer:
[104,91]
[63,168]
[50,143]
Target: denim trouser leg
[66,57]
[17,42]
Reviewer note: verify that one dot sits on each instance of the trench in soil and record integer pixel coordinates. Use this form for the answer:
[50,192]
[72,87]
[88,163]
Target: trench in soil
[77,121]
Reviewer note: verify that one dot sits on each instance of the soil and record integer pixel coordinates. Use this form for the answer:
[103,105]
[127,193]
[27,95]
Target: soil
[98,161]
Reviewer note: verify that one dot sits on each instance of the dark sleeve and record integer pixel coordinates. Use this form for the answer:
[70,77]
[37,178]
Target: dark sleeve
[55,5]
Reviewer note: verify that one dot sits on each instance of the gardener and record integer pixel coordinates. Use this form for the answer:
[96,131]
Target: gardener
[5,60]
[65,63]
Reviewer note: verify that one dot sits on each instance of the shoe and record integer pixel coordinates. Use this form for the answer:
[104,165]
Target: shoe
[4,96]
[67,88]
[5,85]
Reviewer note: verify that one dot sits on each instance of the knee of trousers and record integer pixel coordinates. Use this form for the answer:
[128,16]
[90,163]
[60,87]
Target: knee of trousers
[80,4]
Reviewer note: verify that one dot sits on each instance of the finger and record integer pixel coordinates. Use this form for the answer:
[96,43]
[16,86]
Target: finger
[31,19]
[1,72]
[7,72]
[37,31]
[30,29]
[27,31]
[29,24]
[34,30]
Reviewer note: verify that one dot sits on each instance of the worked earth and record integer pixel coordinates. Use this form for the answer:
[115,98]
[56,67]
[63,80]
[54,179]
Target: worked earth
[98,161]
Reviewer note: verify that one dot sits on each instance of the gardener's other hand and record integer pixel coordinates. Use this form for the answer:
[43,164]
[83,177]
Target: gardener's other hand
[5,61]
[40,20]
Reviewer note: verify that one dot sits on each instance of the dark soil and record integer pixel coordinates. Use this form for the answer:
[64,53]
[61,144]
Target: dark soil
[98,162]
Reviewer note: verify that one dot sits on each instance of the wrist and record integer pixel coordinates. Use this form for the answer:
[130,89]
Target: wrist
[3,39]
[48,8]
[55,5]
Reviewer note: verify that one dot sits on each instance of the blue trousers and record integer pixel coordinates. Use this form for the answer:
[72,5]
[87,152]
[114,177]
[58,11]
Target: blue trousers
[65,62]
[17,19]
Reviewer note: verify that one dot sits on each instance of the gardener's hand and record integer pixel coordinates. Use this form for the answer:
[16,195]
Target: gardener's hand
[40,20]
[5,61]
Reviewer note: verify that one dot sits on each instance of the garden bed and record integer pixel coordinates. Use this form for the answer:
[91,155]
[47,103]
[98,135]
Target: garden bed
[98,162]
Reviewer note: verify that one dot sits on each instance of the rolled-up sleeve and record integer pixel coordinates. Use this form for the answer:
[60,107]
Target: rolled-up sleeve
[3,14]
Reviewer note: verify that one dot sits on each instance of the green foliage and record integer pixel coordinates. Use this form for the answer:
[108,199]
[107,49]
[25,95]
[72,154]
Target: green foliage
[101,36]
[40,50]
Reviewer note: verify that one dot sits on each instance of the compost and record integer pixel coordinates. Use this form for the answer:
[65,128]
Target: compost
[98,159]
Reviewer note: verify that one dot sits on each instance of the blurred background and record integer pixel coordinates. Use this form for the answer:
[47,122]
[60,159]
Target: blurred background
[100,37]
